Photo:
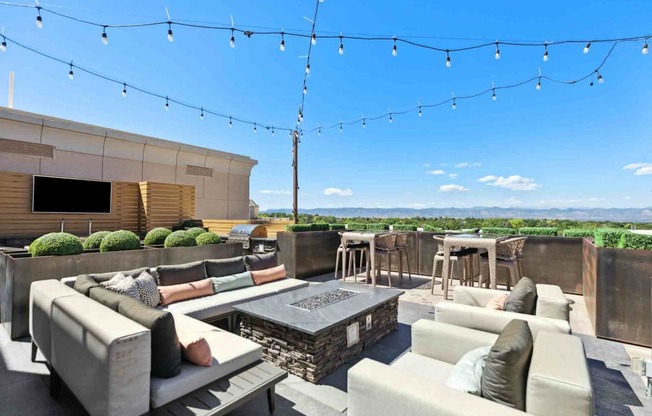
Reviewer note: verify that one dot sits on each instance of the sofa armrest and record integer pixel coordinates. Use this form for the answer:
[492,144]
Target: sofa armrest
[445,342]
[102,356]
[475,296]
[69,281]
[493,321]
[551,302]
[380,390]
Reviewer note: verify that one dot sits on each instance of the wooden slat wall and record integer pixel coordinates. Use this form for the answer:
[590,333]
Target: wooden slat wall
[165,205]
[17,219]
[223,227]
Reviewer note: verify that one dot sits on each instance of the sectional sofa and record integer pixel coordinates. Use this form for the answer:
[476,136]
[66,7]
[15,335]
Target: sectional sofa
[117,355]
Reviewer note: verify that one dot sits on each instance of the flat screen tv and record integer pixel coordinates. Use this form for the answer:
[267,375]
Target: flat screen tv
[63,195]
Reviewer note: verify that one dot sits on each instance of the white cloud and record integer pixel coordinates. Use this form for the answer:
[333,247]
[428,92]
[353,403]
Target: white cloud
[426,165]
[514,182]
[275,192]
[640,168]
[338,192]
[435,172]
[452,188]
[452,175]
[468,165]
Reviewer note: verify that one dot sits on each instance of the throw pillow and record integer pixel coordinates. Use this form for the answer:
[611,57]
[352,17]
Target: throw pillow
[195,349]
[235,281]
[125,285]
[467,374]
[103,277]
[506,367]
[181,273]
[261,261]
[224,267]
[117,277]
[147,289]
[497,302]
[523,298]
[84,283]
[269,275]
[165,349]
[176,293]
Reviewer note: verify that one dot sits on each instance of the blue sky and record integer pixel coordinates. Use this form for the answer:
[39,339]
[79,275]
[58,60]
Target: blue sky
[558,147]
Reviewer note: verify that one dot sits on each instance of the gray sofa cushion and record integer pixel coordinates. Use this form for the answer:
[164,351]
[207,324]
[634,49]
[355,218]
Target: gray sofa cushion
[261,261]
[506,368]
[103,277]
[232,282]
[181,273]
[84,283]
[523,298]
[224,267]
[107,297]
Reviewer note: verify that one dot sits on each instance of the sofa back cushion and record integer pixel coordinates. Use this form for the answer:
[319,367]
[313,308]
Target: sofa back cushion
[269,275]
[176,293]
[523,297]
[506,368]
[261,261]
[235,281]
[84,283]
[107,297]
[181,273]
[224,267]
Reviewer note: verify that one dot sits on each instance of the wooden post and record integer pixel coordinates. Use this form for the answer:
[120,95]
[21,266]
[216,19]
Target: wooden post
[295,170]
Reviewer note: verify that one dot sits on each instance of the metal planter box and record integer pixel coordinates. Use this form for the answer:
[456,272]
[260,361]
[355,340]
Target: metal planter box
[309,253]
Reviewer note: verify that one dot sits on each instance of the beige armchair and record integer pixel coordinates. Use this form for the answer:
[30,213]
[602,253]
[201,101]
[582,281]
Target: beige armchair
[557,382]
[468,310]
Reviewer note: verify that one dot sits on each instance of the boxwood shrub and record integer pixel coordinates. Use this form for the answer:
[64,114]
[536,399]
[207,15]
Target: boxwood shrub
[633,241]
[319,227]
[208,238]
[180,238]
[404,227]
[119,241]
[56,244]
[356,226]
[578,232]
[432,229]
[499,231]
[156,236]
[195,231]
[608,237]
[377,226]
[549,231]
[336,227]
[94,240]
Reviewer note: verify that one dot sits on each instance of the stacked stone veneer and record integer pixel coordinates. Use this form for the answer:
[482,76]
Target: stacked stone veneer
[312,357]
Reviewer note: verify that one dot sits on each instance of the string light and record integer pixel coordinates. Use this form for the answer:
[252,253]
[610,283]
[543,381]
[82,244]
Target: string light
[255,128]
[170,35]
[300,116]
[232,40]
[273,132]
[420,113]
[282,45]
[340,127]
[448,60]
[454,106]
[105,38]
[167,103]
[587,48]
[497,55]
[3,45]
[394,51]
[545,53]
[308,68]
[341,50]
[230,122]
[313,39]
[364,123]
[644,50]
[390,117]
[305,89]
[124,89]
[493,91]
[290,134]
[71,74]
[39,19]
[538,87]
[201,115]
[600,79]
[319,131]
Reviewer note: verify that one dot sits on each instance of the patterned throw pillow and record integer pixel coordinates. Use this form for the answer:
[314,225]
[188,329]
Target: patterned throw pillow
[114,280]
[147,289]
[122,284]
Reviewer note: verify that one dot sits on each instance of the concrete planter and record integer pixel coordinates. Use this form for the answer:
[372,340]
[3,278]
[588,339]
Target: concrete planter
[616,289]
[17,272]
[309,253]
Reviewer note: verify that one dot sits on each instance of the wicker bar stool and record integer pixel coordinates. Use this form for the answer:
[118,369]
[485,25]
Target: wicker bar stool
[508,255]
[402,248]
[385,246]
[461,257]
[351,249]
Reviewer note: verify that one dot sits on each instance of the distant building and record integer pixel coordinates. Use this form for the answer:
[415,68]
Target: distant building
[254,210]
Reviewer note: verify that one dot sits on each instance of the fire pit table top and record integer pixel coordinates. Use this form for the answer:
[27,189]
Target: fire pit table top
[318,307]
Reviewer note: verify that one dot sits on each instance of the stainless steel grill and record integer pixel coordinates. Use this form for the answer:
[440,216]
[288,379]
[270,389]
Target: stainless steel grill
[244,233]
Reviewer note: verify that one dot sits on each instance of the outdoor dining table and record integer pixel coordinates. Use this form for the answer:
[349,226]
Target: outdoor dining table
[368,237]
[470,241]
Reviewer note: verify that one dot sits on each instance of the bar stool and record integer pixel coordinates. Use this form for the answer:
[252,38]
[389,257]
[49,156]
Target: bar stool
[351,250]
[461,257]
[385,246]
[401,247]
[508,255]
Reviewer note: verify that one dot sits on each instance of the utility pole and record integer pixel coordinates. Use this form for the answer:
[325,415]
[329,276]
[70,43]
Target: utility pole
[295,172]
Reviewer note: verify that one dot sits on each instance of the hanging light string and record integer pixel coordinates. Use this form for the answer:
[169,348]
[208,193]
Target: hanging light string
[339,36]
[455,98]
[307,71]
[127,86]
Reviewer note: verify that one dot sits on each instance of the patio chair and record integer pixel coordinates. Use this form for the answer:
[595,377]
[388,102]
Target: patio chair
[402,248]
[352,248]
[460,257]
[385,247]
[508,255]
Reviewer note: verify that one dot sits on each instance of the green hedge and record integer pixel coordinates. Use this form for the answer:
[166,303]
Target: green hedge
[297,228]
[195,231]
[56,244]
[356,226]
[633,241]
[319,227]
[432,229]
[578,232]
[95,240]
[119,241]
[377,226]
[549,231]
[404,227]
[157,236]
[337,227]
[208,238]
[180,238]
[498,231]
[608,237]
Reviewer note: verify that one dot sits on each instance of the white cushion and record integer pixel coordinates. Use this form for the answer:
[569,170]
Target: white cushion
[425,367]
[147,289]
[230,353]
[467,374]
[125,285]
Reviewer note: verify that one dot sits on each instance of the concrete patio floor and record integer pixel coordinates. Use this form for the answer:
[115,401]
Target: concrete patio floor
[24,386]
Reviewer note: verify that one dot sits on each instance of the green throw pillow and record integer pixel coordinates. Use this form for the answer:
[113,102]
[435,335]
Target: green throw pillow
[232,282]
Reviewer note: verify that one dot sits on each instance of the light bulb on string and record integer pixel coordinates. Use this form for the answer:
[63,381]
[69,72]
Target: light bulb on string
[545,53]
[255,128]
[538,87]
[313,39]
[71,74]
[170,35]
[420,113]
[124,89]
[394,50]
[39,19]
[308,68]
[454,106]
[493,94]
[167,103]
[600,79]
[282,45]
[390,117]
[340,127]
[319,131]
[201,115]
[300,116]
[290,134]
[497,55]
[364,123]
[587,48]
[448,60]
[230,122]
[273,132]
[341,50]
[301,134]
[232,40]
[3,45]
[305,89]
[105,38]
[644,50]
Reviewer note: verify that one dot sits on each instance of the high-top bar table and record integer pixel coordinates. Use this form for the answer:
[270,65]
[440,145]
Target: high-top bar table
[471,241]
[369,237]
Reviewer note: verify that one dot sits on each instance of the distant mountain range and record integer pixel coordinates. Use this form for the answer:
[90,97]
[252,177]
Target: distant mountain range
[585,214]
